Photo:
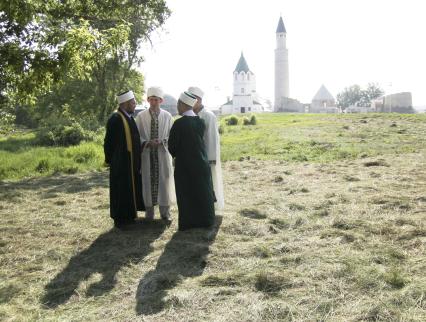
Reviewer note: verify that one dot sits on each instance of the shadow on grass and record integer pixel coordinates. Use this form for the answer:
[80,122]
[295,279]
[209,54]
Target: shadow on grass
[184,256]
[54,184]
[106,256]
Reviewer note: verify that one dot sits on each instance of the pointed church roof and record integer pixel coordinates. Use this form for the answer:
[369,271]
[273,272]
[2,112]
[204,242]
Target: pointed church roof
[323,95]
[242,65]
[281,27]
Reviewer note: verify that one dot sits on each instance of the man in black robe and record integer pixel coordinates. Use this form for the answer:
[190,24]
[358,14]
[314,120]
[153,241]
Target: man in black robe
[122,149]
[193,180]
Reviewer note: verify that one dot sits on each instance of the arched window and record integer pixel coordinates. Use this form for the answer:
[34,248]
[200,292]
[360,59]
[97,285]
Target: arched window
[248,76]
[236,76]
[242,90]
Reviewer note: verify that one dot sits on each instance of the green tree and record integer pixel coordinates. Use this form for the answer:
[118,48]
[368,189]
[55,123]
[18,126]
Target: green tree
[349,96]
[81,98]
[356,96]
[372,92]
[44,43]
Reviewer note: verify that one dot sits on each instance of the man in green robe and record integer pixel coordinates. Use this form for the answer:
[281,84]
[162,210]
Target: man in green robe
[122,149]
[193,180]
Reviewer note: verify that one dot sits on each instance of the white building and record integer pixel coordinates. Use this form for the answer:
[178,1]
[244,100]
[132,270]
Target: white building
[244,98]
[323,102]
[397,103]
[282,90]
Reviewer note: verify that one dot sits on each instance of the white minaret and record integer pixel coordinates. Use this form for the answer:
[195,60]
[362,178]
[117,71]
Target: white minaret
[281,66]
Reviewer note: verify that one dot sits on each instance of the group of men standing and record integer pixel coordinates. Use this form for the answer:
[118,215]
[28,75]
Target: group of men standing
[139,154]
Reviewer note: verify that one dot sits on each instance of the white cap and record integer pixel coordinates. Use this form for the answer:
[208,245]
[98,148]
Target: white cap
[127,96]
[196,91]
[155,91]
[188,99]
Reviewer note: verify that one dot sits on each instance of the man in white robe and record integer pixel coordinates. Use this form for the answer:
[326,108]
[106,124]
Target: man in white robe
[154,126]
[212,143]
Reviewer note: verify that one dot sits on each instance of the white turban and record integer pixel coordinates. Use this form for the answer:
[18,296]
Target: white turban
[196,91]
[155,91]
[127,96]
[188,99]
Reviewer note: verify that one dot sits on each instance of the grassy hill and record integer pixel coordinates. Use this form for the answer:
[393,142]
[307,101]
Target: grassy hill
[324,220]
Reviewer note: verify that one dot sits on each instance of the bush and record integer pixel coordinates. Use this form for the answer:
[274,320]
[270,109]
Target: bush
[251,120]
[231,120]
[61,134]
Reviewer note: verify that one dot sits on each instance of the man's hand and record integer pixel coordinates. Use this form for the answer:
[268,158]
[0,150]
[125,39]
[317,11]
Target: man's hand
[156,143]
[153,143]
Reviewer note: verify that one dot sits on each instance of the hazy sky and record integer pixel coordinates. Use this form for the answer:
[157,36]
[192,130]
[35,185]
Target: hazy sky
[332,42]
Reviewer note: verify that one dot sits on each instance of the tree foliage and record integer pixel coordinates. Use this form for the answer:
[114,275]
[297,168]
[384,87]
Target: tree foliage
[356,96]
[50,45]
[81,96]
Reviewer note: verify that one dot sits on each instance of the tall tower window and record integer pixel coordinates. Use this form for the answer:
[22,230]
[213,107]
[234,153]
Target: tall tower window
[236,76]
[248,76]
[242,90]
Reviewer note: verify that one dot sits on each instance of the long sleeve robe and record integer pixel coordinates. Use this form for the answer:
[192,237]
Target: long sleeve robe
[212,143]
[194,188]
[165,180]
[125,183]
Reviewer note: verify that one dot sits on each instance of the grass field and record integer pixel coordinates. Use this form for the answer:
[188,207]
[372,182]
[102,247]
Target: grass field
[20,157]
[288,137]
[324,221]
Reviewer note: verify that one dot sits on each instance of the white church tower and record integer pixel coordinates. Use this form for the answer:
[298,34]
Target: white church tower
[244,98]
[281,67]
[244,79]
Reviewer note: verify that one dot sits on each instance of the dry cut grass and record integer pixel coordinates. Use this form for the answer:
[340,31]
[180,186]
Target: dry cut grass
[337,241]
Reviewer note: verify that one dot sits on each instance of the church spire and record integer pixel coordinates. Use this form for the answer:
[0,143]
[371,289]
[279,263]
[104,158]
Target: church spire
[281,27]
[242,65]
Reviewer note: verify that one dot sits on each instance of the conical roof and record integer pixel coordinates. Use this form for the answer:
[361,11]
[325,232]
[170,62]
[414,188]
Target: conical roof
[242,65]
[281,27]
[323,95]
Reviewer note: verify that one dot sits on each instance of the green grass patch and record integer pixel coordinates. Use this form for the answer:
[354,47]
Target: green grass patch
[291,138]
[20,157]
